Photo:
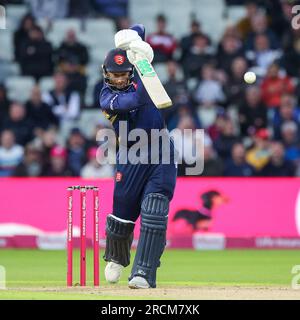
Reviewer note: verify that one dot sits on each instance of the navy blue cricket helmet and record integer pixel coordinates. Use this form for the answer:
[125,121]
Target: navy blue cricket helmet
[116,61]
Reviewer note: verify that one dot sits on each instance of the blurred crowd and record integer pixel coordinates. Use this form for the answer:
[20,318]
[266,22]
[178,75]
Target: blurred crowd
[250,130]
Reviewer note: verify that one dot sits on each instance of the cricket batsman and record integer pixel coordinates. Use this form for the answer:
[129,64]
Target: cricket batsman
[140,189]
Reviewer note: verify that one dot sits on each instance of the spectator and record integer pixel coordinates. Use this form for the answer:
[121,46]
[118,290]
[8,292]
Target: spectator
[11,154]
[58,164]
[94,169]
[291,142]
[72,50]
[252,112]
[21,35]
[291,58]
[163,43]
[288,111]
[49,9]
[64,103]
[230,48]
[236,86]
[185,142]
[274,86]
[244,25]
[278,166]
[263,55]
[208,95]
[4,104]
[175,87]
[237,165]
[281,15]
[77,82]
[32,165]
[209,92]
[174,115]
[77,151]
[187,41]
[114,9]
[45,141]
[39,112]
[18,122]
[36,55]
[259,26]
[258,156]
[198,54]
[217,127]
[226,139]
[213,165]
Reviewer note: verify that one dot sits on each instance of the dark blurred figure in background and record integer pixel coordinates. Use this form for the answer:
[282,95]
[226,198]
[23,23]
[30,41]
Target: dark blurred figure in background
[21,35]
[237,166]
[226,139]
[39,112]
[32,165]
[230,48]
[58,164]
[18,122]
[175,87]
[187,41]
[287,111]
[70,49]
[36,55]
[213,165]
[113,9]
[77,81]
[252,112]
[235,86]
[278,166]
[199,53]
[244,25]
[291,142]
[4,104]
[77,151]
[162,42]
[259,26]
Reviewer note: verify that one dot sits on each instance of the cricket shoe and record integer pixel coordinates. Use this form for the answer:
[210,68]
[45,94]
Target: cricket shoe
[138,283]
[113,272]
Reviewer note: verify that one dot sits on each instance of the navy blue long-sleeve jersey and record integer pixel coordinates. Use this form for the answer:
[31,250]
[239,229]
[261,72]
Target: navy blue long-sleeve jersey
[133,105]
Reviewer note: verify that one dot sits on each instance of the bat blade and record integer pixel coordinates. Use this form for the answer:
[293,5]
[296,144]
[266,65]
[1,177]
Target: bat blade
[152,84]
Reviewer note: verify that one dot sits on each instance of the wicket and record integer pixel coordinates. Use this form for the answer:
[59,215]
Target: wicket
[83,206]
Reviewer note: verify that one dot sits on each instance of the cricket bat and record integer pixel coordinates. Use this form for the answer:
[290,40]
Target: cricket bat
[152,84]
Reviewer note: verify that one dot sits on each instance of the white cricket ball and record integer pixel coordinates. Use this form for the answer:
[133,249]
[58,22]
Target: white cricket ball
[250,77]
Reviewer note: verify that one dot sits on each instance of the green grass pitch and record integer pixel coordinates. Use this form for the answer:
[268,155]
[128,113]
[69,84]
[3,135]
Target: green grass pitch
[30,273]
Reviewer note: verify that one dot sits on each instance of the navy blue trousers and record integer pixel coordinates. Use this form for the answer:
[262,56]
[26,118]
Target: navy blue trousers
[134,182]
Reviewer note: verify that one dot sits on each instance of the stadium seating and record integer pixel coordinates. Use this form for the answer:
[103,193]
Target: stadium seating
[19,88]
[60,27]
[6,41]
[46,84]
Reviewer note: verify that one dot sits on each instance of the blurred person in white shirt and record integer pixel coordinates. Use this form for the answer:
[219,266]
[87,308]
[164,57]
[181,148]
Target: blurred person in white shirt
[93,169]
[11,154]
